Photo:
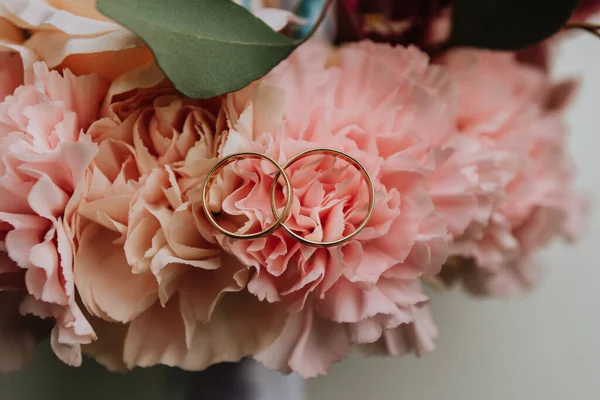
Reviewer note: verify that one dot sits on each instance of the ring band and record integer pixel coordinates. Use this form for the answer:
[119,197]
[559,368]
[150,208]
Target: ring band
[349,159]
[279,218]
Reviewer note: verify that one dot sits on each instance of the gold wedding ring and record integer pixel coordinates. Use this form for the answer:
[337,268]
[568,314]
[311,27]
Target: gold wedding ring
[281,218]
[351,160]
[278,218]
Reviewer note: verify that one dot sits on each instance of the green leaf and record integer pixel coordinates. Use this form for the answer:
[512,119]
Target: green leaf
[205,47]
[507,24]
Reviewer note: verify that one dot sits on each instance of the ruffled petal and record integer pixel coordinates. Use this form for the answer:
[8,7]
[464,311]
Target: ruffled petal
[105,281]
[307,345]
[240,326]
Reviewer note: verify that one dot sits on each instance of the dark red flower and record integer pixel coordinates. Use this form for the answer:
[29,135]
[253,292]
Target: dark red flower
[586,9]
[392,21]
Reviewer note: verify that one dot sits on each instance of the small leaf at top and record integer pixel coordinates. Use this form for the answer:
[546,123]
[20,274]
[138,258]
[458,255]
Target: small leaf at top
[205,47]
[507,24]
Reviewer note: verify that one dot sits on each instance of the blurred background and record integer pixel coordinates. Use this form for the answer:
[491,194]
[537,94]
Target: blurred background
[544,346]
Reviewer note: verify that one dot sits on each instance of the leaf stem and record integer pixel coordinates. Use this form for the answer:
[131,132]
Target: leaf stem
[594,29]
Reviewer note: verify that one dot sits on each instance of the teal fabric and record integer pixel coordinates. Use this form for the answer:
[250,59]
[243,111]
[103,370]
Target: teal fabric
[310,10]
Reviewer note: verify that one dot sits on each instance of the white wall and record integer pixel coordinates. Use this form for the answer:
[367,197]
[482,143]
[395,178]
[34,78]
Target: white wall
[546,346]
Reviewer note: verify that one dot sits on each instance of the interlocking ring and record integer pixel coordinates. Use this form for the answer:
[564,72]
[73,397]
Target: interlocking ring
[349,159]
[278,218]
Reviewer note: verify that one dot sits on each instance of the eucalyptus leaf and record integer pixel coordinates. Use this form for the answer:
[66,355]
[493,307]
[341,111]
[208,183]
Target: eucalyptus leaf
[205,47]
[507,24]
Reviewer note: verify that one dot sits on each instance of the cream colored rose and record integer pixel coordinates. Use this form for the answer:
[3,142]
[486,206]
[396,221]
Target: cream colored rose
[73,34]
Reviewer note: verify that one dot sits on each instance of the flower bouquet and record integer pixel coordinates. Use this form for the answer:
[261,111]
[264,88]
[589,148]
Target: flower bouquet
[189,182]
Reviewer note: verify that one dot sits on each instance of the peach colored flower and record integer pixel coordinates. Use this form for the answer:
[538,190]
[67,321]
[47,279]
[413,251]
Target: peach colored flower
[168,293]
[15,59]
[388,108]
[11,73]
[44,155]
[73,34]
[516,113]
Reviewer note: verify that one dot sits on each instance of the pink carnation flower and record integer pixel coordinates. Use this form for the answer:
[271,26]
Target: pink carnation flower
[159,288]
[392,111]
[516,113]
[43,158]
[16,339]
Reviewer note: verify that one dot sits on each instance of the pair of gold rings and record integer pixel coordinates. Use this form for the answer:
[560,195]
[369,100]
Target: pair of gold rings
[280,218]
